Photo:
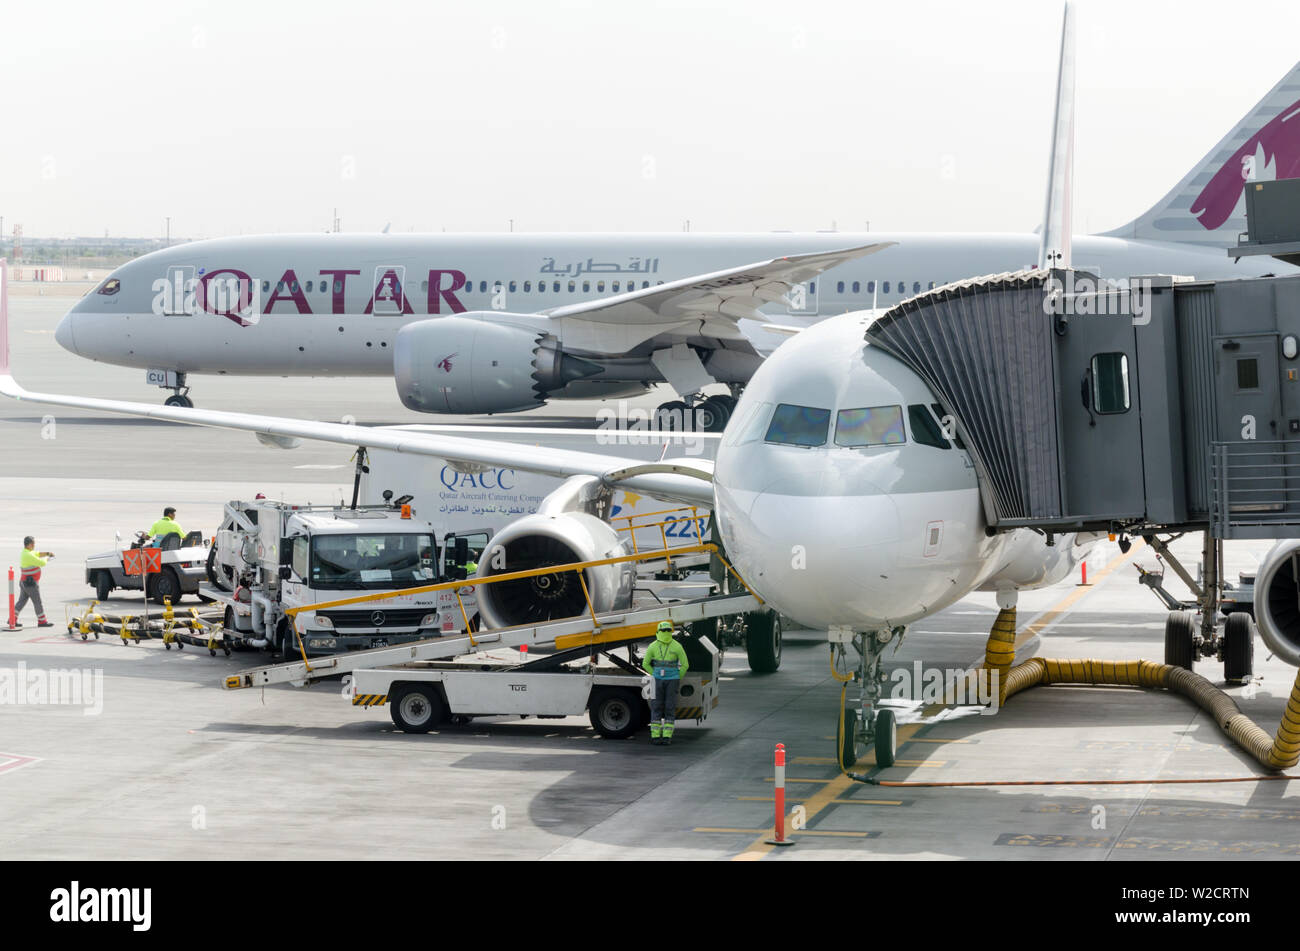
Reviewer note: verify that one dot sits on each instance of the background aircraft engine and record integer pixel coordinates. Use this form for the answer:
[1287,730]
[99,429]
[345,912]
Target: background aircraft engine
[539,541]
[461,365]
[1277,600]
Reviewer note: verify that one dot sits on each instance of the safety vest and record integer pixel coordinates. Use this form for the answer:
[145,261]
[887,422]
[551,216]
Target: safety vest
[32,564]
[165,526]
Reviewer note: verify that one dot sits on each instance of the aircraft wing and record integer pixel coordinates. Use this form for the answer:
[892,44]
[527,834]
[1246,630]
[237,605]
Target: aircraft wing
[728,295]
[677,480]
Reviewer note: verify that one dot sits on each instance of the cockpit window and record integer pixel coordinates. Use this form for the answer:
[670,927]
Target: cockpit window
[798,425]
[748,425]
[870,426]
[110,287]
[925,428]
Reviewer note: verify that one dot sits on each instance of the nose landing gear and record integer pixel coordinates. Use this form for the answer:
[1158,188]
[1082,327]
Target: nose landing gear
[866,723]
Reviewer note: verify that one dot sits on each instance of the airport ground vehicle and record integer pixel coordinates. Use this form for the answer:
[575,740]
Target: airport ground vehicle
[183,568]
[272,557]
[579,672]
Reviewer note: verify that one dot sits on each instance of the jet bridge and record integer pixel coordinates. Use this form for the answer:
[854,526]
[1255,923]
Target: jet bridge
[1154,405]
[1160,403]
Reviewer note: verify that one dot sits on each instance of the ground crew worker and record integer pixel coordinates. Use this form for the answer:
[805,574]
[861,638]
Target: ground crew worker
[166,525]
[32,563]
[665,661]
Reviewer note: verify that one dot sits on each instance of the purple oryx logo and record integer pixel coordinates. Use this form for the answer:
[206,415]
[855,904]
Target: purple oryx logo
[445,363]
[1277,144]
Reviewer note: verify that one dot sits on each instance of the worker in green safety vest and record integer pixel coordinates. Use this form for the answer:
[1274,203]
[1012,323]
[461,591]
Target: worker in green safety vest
[29,585]
[665,661]
[166,525]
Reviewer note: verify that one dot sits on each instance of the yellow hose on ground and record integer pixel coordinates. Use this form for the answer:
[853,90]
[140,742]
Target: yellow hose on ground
[1279,752]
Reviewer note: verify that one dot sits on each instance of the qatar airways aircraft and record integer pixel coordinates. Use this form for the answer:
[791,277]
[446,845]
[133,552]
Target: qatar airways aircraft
[472,324]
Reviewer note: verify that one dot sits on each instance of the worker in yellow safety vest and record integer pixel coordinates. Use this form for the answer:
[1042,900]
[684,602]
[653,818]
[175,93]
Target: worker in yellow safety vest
[166,525]
[32,563]
[665,661]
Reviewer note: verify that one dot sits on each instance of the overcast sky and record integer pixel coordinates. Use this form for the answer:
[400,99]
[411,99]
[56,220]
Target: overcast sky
[239,117]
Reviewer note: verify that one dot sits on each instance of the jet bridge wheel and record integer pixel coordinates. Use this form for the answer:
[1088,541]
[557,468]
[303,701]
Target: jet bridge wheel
[1238,648]
[1180,639]
[416,708]
[763,641]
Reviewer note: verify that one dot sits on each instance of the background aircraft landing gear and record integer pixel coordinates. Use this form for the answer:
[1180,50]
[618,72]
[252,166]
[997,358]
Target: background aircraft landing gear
[869,723]
[176,383]
[709,414]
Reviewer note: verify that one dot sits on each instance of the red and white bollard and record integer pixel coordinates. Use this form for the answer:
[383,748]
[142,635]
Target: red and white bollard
[13,615]
[523,648]
[779,790]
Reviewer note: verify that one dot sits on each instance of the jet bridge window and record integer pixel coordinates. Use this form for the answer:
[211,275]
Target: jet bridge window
[1110,383]
[870,426]
[1247,373]
[798,425]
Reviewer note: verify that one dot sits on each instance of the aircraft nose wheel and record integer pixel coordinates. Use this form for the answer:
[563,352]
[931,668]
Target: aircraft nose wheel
[179,400]
[886,738]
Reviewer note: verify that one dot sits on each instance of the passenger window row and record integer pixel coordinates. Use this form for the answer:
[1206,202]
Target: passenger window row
[855,287]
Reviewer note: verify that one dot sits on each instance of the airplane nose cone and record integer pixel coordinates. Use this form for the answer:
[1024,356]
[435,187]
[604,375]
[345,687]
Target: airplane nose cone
[64,335]
[821,560]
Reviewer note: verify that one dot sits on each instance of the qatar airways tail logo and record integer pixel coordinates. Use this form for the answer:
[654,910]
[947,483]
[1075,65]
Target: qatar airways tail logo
[1271,153]
[445,363]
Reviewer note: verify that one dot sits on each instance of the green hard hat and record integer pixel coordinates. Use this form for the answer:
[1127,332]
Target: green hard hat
[666,626]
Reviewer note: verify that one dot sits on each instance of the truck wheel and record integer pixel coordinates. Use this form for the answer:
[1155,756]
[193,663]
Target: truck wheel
[103,585]
[416,708]
[166,585]
[613,712]
[1238,648]
[763,641]
[1180,645]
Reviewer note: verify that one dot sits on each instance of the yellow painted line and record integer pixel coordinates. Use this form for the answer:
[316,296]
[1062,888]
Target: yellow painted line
[1073,598]
[921,739]
[832,790]
[814,760]
[846,835]
[921,763]
[823,798]
[867,802]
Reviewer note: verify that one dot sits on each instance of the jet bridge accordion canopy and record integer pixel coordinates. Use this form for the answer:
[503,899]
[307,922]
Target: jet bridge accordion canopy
[1157,402]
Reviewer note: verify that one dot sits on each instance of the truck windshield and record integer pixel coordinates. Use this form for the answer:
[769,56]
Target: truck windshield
[372,561]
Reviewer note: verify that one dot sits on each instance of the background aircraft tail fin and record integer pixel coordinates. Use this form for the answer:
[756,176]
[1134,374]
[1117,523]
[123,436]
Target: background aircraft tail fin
[1207,206]
[1054,237]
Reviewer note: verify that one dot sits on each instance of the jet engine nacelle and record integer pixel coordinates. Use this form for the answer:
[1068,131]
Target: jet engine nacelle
[543,540]
[481,364]
[1277,600]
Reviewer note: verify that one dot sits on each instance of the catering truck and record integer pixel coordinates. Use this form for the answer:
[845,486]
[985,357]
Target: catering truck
[271,557]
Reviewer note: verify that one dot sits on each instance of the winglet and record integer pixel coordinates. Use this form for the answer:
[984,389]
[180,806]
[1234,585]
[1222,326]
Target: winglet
[1054,246]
